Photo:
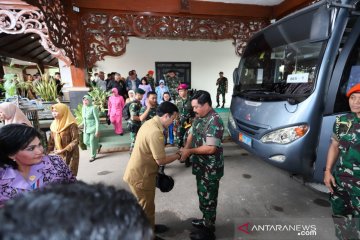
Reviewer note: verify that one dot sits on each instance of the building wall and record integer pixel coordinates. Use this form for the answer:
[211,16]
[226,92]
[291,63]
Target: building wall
[207,59]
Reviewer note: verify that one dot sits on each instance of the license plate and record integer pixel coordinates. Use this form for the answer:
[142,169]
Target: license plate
[245,139]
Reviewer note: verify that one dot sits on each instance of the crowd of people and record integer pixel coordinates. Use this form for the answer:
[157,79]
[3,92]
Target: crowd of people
[26,166]
[37,180]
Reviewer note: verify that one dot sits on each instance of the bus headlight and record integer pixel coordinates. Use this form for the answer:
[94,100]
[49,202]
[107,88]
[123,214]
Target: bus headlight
[232,121]
[285,135]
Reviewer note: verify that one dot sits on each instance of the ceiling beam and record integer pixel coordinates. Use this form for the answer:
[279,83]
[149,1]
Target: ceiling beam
[289,6]
[227,9]
[17,56]
[160,6]
[174,7]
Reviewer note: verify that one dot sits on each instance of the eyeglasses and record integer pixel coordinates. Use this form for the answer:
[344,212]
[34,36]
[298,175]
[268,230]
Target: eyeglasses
[161,83]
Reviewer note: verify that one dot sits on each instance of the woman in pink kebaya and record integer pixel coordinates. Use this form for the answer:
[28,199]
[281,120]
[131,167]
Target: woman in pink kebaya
[115,107]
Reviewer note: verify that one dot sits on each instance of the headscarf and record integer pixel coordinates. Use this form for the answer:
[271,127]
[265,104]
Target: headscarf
[66,118]
[131,91]
[116,91]
[89,99]
[14,114]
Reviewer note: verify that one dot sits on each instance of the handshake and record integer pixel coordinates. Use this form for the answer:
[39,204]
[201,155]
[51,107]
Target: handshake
[183,153]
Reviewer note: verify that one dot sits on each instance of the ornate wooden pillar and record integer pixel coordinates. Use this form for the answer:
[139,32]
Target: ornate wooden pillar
[78,68]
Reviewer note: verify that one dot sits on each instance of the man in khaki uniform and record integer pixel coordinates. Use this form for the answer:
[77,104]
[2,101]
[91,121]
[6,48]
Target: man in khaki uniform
[147,155]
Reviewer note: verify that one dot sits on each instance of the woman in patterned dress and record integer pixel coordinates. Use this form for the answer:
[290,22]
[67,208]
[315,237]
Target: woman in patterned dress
[23,165]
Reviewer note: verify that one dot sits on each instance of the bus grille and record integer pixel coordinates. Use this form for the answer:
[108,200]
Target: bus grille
[248,128]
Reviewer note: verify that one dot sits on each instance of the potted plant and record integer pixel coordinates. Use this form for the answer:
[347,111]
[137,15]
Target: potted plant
[99,98]
[46,88]
[23,87]
[10,85]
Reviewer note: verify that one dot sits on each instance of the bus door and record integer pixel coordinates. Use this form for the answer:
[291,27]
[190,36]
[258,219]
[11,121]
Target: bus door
[346,74]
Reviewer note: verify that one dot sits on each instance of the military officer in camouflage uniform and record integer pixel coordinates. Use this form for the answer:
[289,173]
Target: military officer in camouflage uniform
[172,82]
[186,115]
[149,110]
[134,123]
[344,180]
[205,148]
[222,88]
[150,79]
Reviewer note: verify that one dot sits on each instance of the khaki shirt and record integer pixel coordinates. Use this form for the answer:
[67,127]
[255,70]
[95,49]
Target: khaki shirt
[142,168]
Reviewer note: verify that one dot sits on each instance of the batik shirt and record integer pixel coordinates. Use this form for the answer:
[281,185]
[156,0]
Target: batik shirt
[52,169]
[208,130]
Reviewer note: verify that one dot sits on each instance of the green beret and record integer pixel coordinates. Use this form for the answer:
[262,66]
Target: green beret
[140,91]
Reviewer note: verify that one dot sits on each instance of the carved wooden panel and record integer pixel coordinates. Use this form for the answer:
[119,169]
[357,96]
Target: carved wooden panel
[106,34]
[14,21]
[58,24]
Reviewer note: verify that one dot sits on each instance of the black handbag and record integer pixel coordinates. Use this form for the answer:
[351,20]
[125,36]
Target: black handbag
[164,182]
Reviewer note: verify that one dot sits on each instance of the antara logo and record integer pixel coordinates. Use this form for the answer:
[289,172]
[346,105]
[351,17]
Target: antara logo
[244,228]
[248,117]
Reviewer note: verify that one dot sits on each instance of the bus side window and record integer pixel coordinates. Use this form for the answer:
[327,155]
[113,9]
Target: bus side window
[349,77]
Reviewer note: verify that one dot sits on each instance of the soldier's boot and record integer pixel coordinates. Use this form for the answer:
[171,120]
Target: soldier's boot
[205,231]
[218,105]
[200,223]
[223,105]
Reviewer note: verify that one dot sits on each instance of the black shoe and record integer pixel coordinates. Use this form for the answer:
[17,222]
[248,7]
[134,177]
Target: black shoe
[92,159]
[223,105]
[160,228]
[99,149]
[121,134]
[158,238]
[200,224]
[197,222]
[202,234]
[217,105]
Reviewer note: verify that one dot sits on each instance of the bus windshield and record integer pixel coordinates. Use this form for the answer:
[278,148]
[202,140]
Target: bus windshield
[280,63]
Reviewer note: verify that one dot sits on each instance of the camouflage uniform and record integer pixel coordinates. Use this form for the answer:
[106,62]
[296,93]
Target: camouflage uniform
[186,114]
[346,198]
[151,81]
[152,113]
[222,88]
[133,125]
[172,83]
[208,169]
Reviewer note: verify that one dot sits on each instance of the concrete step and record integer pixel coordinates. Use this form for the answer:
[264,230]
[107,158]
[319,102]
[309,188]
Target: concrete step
[115,143]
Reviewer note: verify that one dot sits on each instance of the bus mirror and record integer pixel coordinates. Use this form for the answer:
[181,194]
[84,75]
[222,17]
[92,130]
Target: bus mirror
[320,25]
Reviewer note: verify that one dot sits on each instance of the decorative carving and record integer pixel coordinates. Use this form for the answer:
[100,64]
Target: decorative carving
[58,24]
[104,37]
[242,34]
[29,21]
[107,34]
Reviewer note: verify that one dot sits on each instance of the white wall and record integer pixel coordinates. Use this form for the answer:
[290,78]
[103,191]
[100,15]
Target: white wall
[207,59]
